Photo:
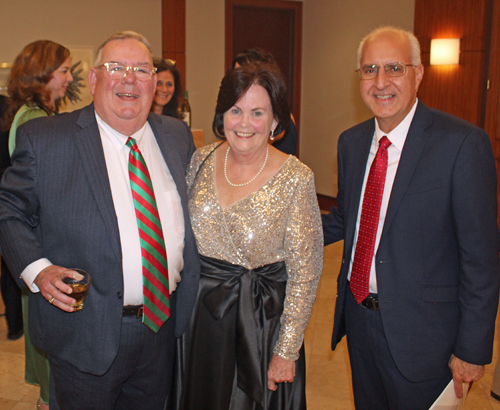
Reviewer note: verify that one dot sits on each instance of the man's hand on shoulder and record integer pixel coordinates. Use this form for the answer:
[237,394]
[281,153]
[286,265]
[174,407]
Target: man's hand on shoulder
[464,372]
[53,289]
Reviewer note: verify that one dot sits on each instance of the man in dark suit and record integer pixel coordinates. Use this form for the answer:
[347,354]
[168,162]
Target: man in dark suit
[419,281]
[67,202]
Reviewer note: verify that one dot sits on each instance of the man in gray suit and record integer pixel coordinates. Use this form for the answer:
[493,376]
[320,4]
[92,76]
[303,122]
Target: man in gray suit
[67,203]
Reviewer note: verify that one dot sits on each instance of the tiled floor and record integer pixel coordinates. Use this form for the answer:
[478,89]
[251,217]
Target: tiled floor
[328,374]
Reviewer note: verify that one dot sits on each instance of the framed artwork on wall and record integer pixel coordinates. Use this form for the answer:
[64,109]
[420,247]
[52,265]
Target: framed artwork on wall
[82,58]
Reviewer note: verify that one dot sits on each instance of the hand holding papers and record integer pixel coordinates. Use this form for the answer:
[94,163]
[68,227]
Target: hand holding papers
[448,400]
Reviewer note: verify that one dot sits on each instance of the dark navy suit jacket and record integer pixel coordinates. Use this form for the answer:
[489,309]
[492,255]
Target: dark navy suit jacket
[437,262]
[56,203]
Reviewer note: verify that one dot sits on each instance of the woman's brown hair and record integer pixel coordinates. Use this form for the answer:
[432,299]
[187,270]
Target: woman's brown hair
[31,72]
[236,83]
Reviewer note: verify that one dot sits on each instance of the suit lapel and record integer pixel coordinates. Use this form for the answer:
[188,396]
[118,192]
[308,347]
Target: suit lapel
[170,154]
[412,151]
[89,145]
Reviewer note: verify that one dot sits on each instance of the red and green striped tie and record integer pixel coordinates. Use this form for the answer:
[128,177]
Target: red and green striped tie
[156,310]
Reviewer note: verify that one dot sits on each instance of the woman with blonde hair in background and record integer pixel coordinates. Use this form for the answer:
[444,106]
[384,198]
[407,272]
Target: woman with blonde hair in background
[38,79]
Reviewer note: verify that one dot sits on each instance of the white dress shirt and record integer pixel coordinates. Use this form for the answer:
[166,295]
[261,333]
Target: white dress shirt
[397,137]
[116,154]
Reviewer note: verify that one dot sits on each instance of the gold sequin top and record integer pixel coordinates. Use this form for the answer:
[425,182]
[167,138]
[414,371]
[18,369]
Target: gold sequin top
[278,222]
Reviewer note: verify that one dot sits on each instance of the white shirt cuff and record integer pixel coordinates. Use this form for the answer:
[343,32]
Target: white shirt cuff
[31,271]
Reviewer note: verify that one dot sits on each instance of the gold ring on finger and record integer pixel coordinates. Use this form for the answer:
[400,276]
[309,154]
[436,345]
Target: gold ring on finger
[51,300]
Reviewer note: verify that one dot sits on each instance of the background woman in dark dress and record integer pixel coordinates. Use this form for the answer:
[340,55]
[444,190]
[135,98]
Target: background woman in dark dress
[11,292]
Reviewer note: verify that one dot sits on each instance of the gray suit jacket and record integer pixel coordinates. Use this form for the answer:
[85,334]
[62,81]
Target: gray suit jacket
[437,262]
[55,202]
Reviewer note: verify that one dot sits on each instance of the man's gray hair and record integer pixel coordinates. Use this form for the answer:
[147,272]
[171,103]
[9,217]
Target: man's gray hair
[414,44]
[122,35]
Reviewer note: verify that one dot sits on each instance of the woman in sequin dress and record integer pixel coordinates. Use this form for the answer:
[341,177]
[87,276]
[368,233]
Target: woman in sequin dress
[257,224]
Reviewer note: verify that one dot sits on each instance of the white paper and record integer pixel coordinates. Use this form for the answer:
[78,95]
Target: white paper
[448,401]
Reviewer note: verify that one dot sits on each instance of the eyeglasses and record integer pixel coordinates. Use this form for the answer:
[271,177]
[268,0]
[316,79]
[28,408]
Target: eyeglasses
[117,71]
[369,72]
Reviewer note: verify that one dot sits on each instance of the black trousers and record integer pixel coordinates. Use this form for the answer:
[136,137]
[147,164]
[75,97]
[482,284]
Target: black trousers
[11,295]
[377,382]
[140,378]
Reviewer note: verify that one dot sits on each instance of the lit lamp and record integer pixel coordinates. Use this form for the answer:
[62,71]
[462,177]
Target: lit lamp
[445,51]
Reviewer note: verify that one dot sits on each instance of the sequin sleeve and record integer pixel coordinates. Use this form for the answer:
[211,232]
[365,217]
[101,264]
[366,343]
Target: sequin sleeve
[196,161]
[304,261]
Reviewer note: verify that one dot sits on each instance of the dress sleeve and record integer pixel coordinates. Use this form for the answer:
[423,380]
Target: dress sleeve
[304,262]
[30,114]
[197,160]
[194,165]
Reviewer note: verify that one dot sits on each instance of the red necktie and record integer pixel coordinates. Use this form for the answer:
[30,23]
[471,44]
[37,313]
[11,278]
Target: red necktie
[156,296]
[370,214]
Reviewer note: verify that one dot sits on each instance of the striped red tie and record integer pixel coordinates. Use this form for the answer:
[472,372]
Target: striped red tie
[156,295]
[370,215]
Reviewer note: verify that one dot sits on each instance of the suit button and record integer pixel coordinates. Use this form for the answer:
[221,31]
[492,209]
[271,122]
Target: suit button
[119,294]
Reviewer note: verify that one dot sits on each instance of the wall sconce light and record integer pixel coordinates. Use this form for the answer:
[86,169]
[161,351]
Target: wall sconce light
[445,51]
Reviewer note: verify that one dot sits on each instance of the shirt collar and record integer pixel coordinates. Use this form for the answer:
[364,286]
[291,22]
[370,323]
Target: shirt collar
[119,140]
[398,135]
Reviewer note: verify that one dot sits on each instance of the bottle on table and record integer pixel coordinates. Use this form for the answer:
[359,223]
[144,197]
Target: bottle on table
[186,109]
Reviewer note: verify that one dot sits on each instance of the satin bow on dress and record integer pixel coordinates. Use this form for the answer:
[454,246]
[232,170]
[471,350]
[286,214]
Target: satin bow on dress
[256,292]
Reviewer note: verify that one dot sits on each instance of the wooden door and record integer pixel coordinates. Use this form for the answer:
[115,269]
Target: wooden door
[275,26]
[174,34]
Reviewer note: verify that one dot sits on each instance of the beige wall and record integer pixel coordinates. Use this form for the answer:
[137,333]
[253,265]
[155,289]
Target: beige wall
[330,88]
[75,23]
[331,103]
[204,60]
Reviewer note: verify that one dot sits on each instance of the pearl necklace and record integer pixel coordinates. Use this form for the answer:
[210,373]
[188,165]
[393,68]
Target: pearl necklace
[256,175]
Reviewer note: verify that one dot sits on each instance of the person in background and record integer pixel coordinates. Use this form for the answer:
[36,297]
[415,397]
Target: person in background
[4,138]
[419,283]
[495,385]
[11,292]
[168,89]
[103,189]
[287,140]
[258,229]
[39,77]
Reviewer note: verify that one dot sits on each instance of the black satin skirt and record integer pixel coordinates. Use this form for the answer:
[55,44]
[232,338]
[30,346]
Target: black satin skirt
[225,354]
